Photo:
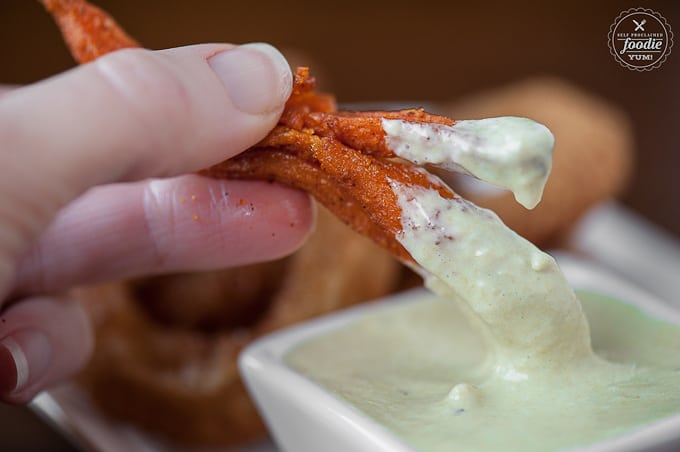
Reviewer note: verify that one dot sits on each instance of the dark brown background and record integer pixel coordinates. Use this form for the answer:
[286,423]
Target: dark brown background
[395,50]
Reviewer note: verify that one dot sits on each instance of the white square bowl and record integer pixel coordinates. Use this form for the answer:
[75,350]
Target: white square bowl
[304,417]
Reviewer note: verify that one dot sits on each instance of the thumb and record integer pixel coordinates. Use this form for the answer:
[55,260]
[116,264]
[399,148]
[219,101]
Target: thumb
[137,113]
[129,115]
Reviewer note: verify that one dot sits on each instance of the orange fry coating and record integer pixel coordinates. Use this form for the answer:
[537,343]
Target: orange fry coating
[88,31]
[363,129]
[353,185]
[341,158]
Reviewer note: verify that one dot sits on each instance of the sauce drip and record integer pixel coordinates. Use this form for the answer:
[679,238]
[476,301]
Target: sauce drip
[502,357]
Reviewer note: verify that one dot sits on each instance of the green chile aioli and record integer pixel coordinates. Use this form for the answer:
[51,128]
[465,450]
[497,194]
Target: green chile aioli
[422,371]
[506,361]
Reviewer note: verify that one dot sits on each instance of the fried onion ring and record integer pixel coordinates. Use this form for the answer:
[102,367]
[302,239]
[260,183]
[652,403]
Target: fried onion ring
[166,347]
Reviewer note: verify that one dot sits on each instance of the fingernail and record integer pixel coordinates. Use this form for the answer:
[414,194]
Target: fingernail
[257,77]
[24,359]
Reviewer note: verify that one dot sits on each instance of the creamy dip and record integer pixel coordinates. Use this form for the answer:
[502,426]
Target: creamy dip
[422,371]
[509,289]
[507,362]
[509,152]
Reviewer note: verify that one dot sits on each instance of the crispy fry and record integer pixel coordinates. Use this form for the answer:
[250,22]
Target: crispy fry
[351,184]
[338,157]
[88,31]
[363,130]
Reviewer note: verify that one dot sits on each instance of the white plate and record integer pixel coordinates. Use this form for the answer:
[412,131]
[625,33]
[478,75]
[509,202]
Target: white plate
[71,412]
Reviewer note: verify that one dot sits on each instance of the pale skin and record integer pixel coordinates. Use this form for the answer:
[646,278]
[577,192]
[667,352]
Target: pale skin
[96,185]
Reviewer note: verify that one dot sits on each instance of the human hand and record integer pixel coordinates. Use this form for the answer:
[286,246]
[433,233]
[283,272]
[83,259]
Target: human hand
[76,204]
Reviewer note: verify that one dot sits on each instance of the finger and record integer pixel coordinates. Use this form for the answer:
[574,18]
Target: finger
[5,89]
[183,223]
[137,113]
[42,342]
[129,115]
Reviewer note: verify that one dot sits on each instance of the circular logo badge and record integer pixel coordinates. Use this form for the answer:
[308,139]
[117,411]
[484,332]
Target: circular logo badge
[640,39]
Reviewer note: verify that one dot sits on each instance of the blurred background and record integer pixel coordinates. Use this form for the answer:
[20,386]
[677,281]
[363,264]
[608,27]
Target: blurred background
[406,51]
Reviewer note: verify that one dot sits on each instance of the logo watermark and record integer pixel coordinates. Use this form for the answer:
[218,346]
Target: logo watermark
[640,39]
